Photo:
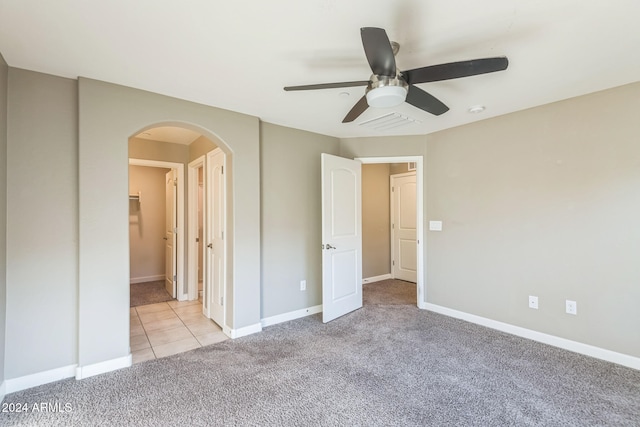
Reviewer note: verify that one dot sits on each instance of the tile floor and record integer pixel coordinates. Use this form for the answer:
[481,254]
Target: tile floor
[166,328]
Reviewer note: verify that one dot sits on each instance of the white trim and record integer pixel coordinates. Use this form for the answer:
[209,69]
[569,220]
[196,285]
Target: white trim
[3,390]
[292,315]
[146,279]
[421,286]
[242,332]
[87,371]
[192,225]
[576,347]
[33,380]
[180,250]
[376,278]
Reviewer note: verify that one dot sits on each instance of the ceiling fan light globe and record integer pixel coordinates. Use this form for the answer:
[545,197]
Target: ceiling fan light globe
[386,96]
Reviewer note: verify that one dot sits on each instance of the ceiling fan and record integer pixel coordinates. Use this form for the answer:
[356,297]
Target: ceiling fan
[388,86]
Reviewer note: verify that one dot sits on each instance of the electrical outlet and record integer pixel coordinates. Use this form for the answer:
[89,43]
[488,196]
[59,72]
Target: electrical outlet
[533,302]
[303,285]
[572,307]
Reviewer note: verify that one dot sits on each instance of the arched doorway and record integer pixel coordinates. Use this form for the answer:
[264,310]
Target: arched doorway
[167,313]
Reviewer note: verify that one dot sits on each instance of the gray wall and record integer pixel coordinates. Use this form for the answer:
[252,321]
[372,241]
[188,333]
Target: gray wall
[4,75]
[291,214]
[110,115]
[376,233]
[541,202]
[42,220]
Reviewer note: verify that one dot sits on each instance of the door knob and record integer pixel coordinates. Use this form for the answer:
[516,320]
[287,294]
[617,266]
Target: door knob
[331,247]
[210,245]
[165,238]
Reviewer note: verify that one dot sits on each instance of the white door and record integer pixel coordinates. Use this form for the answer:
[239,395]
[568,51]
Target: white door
[403,227]
[341,236]
[216,196]
[170,233]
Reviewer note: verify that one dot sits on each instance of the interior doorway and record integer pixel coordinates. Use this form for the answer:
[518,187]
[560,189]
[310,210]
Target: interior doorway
[342,237]
[207,267]
[403,257]
[152,210]
[196,228]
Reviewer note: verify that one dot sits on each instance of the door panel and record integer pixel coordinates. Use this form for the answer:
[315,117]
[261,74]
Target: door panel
[216,234]
[341,236]
[170,235]
[403,218]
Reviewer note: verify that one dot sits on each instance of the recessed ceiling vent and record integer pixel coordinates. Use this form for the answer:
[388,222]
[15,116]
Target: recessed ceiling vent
[389,121]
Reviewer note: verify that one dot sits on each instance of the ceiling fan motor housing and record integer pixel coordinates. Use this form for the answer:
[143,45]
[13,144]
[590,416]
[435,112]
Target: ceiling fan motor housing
[386,91]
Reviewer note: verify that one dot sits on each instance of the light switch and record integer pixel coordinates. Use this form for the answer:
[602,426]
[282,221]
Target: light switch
[435,225]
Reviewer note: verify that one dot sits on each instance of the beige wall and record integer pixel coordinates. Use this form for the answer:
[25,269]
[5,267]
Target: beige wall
[541,202]
[396,168]
[290,209]
[376,233]
[42,223]
[4,75]
[158,150]
[147,223]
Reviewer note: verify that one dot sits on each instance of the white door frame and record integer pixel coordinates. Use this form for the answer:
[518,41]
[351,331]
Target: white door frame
[192,226]
[420,236]
[179,167]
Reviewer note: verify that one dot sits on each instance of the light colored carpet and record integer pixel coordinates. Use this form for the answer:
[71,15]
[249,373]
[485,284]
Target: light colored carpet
[148,293]
[383,365]
[390,292]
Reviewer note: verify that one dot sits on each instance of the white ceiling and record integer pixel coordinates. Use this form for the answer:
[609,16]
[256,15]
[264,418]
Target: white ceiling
[238,55]
[175,135]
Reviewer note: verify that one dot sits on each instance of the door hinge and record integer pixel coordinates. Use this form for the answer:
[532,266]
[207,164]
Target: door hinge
[197,240]
[393,189]
[393,262]
[222,238]
[221,300]
[393,226]
[175,182]
[175,230]
[175,278]
[221,170]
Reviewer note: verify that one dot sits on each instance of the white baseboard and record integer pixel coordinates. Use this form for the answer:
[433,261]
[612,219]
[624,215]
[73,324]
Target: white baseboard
[376,278]
[87,371]
[292,315]
[241,332]
[576,347]
[33,380]
[3,390]
[146,279]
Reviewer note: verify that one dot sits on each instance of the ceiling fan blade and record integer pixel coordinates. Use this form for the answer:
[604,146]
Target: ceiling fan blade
[455,70]
[425,101]
[328,85]
[357,109]
[377,48]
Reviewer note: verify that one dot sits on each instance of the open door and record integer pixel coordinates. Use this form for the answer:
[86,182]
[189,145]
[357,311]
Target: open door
[341,236]
[216,223]
[170,233]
